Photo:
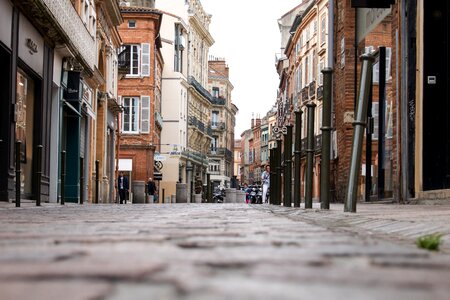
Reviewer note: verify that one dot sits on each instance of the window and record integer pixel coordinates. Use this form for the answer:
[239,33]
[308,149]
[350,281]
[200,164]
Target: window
[131,23]
[215,92]
[323,25]
[306,70]
[215,118]
[133,60]
[130,115]
[376,66]
[179,47]
[375,111]
[319,71]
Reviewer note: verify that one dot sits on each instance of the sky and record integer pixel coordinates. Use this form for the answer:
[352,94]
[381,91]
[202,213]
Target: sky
[246,34]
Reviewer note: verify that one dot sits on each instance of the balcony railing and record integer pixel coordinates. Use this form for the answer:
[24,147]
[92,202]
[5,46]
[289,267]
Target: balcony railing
[158,119]
[200,89]
[218,125]
[218,101]
[312,90]
[305,95]
[124,60]
[320,92]
[73,27]
[318,142]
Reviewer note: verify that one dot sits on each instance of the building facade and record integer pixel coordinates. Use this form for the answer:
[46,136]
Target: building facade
[140,93]
[50,93]
[223,119]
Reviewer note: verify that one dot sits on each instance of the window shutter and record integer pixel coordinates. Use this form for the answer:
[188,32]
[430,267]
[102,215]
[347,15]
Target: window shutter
[145,114]
[145,62]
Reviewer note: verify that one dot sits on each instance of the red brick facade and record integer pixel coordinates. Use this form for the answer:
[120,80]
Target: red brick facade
[140,147]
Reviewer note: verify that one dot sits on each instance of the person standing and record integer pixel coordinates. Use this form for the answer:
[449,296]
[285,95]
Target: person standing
[151,189]
[123,186]
[265,179]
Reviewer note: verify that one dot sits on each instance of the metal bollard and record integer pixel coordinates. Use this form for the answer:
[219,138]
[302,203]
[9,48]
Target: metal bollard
[208,188]
[272,174]
[326,139]
[81,180]
[63,176]
[97,180]
[38,173]
[309,156]
[279,168]
[18,172]
[359,124]
[297,157]
[287,198]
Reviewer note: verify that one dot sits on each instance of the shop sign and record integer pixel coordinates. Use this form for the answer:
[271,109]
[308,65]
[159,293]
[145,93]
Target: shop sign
[32,46]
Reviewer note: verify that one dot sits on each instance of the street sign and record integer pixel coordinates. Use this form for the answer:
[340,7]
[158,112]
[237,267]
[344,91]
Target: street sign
[157,176]
[159,157]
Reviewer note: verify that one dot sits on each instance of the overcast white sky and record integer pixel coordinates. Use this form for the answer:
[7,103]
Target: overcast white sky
[246,34]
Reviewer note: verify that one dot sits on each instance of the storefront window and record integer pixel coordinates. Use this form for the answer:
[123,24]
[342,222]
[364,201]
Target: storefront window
[24,127]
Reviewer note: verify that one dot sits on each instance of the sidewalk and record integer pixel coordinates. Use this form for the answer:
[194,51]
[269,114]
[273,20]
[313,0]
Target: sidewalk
[399,222]
[220,251]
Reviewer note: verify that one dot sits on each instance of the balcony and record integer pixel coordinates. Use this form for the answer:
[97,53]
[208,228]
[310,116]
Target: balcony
[318,142]
[200,89]
[158,120]
[320,92]
[218,101]
[312,90]
[218,126]
[305,96]
[60,21]
[124,60]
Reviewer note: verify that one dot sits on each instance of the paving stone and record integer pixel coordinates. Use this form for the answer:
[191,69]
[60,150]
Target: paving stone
[224,251]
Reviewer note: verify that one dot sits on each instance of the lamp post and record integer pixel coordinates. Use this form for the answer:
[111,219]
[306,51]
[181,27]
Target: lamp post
[287,198]
[309,155]
[326,140]
[297,158]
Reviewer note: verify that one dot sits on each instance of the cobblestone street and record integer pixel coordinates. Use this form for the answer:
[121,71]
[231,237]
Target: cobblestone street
[229,251]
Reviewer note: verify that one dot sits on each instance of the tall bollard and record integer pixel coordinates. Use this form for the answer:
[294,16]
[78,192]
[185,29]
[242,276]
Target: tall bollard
[38,173]
[278,189]
[288,167]
[359,124]
[208,188]
[81,180]
[326,139]
[297,157]
[18,172]
[97,180]
[309,156]
[63,177]
[272,175]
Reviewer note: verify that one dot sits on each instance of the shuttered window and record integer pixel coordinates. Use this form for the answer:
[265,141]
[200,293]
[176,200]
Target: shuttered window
[145,114]
[145,62]
[130,115]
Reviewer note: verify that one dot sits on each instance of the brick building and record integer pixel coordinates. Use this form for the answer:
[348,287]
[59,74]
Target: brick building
[140,92]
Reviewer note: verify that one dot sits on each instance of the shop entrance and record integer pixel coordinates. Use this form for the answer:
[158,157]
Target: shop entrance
[436,110]
[25,101]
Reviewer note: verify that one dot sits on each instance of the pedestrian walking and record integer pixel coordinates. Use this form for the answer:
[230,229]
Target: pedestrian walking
[151,190]
[123,186]
[265,179]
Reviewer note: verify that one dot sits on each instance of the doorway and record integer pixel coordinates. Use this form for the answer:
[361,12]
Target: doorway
[25,101]
[436,112]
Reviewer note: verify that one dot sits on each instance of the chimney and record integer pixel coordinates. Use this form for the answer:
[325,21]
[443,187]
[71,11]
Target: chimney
[142,3]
